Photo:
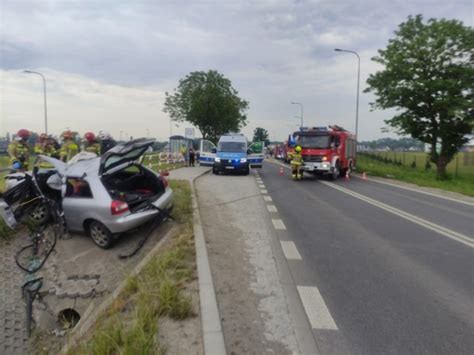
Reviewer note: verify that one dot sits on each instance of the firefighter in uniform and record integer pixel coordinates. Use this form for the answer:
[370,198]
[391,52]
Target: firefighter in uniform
[69,147]
[91,145]
[296,162]
[19,151]
[45,146]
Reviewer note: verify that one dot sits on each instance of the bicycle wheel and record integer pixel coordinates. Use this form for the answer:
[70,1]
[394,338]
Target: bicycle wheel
[32,257]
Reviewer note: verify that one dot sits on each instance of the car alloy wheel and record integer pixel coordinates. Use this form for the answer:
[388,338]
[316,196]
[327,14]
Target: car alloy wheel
[101,235]
[39,214]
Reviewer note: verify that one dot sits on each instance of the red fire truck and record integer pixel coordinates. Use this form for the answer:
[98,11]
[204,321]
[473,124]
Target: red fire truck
[327,150]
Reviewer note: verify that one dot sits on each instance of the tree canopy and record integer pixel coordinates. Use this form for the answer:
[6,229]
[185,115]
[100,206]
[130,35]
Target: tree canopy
[260,135]
[428,77]
[208,101]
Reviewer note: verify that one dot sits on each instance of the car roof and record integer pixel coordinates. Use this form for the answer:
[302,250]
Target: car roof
[90,167]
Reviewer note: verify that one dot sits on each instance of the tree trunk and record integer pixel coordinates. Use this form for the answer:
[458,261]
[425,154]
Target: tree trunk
[441,167]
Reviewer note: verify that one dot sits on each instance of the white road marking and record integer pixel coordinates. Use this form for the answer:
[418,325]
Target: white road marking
[316,310]
[278,224]
[419,191]
[290,251]
[262,186]
[271,208]
[461,238]
[267,198]
[264,191]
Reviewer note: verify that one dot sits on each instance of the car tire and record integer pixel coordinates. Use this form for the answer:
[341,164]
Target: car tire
[40,214]
[101,235]
[214,171]
[247,171]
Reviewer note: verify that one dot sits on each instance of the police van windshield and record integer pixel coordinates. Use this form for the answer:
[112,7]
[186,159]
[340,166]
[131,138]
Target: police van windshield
[321,142]
[232,147]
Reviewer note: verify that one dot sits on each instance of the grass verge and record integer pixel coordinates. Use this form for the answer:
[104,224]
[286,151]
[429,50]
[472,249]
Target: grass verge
[131,324]
[463,185]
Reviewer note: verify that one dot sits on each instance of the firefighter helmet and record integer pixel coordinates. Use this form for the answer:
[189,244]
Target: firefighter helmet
[67,134]
[298,149]
[23,133]
[89,136]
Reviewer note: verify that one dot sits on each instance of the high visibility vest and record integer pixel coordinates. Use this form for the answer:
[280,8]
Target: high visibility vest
[92,147]
[68,150]
[19,152]
[47,150]
[296,158]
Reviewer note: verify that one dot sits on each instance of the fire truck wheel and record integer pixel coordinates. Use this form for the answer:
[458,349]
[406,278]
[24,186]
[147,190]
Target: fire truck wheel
[335,172]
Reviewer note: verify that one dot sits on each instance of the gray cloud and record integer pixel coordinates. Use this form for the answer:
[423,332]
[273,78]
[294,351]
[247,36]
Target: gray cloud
[273,51]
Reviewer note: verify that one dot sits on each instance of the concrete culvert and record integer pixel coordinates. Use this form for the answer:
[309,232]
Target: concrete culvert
[68,318]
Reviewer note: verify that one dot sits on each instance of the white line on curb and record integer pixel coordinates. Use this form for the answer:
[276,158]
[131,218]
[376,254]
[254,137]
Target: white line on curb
[461,238]
[261,186]
[264,191]
[278,224]
[290,251]
[267,198]
[271,208]
[316,310]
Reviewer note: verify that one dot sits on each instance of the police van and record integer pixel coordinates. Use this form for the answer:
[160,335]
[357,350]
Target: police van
[232,154]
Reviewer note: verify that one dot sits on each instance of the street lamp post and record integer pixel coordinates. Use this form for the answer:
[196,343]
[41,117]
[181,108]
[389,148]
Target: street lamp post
[358,81]
[301,105]
[44,92]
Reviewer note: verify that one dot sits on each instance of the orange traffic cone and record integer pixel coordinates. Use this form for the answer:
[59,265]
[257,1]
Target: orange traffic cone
[281,171]
[364,176]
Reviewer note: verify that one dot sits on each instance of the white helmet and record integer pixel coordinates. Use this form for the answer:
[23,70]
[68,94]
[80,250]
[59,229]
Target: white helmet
[103,135]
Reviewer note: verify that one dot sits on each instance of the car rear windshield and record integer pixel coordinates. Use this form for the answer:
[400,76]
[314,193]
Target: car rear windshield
[314,141]
[232,147]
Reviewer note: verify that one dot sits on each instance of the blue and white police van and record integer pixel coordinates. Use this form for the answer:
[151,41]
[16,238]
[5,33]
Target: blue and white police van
[232,154]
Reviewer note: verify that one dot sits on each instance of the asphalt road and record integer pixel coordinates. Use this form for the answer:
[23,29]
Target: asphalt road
[380,269]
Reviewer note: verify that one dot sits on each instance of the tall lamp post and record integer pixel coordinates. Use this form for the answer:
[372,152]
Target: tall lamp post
[358,81]
[44,92]
[301,105]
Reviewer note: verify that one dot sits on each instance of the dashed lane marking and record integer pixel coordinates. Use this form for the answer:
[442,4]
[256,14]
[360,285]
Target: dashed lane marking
[272,208]
[278,224]
[267,198]
[263,191]
[290,251]
[316,310]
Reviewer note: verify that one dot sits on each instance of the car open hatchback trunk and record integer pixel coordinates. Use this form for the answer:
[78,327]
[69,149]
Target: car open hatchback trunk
[134,185]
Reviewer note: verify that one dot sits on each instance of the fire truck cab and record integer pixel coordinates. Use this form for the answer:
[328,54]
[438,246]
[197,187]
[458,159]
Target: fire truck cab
[327,150]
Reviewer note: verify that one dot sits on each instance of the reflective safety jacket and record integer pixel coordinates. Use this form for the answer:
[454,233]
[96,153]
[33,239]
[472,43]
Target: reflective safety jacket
[296,158]
[68,150]
[92,147]
[48,150]
[19,152]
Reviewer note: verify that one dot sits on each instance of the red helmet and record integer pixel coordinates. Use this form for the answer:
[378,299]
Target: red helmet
[23,133]
[89,136]
[67,134]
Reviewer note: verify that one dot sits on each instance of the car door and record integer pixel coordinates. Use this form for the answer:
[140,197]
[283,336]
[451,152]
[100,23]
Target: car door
[207,153]
[256,154]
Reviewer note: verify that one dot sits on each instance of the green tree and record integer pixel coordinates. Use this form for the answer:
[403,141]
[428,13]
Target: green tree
[260,135]
[208,101]
[428,77]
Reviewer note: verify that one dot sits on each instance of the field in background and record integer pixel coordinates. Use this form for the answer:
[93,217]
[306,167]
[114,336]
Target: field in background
[461,166]
[464,183]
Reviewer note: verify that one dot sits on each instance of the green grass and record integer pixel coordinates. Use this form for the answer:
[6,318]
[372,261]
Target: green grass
[461,166]
[131,324]
[463,185]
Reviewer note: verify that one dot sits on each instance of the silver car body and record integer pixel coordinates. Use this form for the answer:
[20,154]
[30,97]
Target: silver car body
[79,211]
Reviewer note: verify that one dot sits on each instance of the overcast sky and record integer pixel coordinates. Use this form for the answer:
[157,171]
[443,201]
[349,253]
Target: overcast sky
[108,63]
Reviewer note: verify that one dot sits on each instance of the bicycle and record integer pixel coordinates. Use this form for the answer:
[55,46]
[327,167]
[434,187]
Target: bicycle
[18,203]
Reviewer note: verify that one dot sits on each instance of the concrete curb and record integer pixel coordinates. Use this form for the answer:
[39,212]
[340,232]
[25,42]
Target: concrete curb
[92,312]
[212,334]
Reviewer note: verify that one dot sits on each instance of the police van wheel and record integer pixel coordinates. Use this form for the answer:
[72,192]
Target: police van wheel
[214,171]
